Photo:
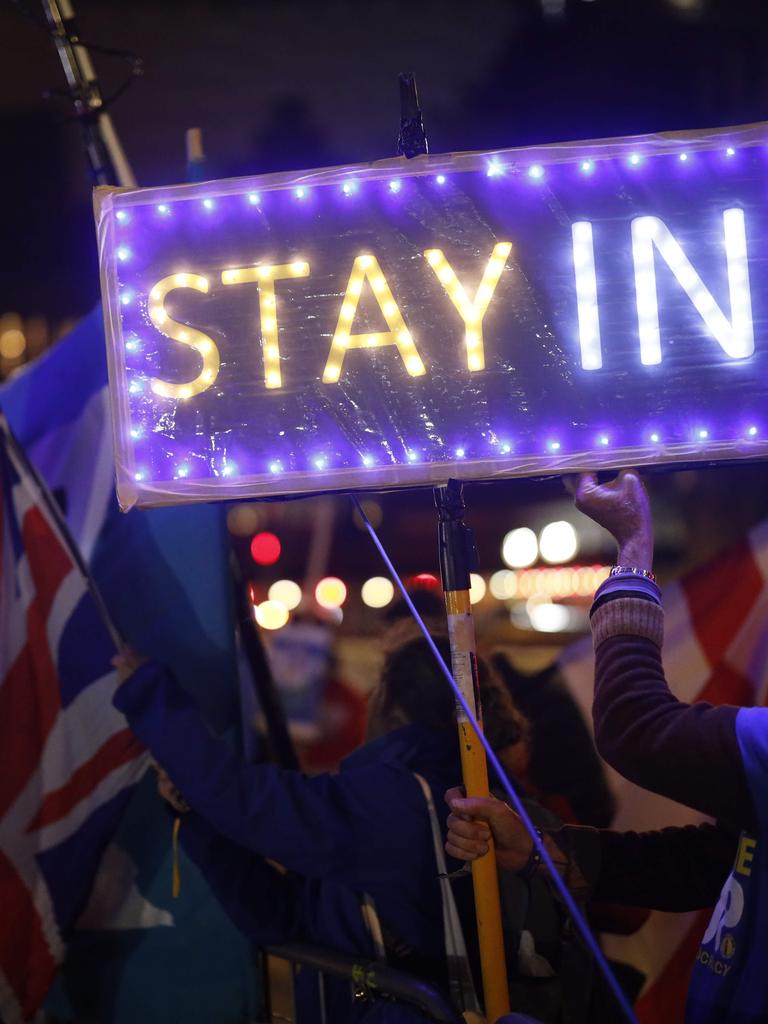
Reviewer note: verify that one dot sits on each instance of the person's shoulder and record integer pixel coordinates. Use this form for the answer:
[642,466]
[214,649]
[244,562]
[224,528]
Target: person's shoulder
[398,746]
[389,762]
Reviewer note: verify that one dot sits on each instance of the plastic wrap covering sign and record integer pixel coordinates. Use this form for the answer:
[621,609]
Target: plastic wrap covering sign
[475,316]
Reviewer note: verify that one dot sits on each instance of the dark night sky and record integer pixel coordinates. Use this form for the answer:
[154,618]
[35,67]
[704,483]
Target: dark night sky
[279,85]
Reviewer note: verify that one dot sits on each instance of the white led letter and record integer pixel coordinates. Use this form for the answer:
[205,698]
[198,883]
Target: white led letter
[586,295]
[471,312]
[265,277]
[204,346]
[364,268]
[735,336]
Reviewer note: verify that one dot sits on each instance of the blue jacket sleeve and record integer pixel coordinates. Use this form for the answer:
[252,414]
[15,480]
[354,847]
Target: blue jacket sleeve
[263,902]
[347,827]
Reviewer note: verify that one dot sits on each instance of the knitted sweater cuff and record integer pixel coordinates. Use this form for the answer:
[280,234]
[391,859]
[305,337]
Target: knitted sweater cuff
[628,616]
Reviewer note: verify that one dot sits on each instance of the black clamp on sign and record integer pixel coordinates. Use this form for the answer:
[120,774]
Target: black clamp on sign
[458,553]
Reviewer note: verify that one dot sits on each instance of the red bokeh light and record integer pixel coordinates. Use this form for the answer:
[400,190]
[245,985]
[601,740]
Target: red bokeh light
[265,548]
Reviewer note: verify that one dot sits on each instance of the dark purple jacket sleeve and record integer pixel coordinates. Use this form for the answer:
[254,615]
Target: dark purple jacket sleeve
[687,752]
[673,869]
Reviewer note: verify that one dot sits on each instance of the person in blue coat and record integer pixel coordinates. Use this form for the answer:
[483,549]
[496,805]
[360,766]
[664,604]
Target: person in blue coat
[362,834]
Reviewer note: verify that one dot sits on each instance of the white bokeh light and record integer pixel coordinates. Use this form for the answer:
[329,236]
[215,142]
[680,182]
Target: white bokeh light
[520,548]
[546,617]
[331,592]
[477,589]
[377,592]
[271,614]
[286,592]
[503,584]
[558,542]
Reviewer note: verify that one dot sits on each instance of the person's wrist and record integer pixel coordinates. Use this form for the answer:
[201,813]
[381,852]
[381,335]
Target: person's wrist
[533,861]
[515,857]
[637,552]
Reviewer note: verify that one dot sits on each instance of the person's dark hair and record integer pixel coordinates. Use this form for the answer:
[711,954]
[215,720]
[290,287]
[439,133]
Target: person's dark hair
[426,602]
[413,689]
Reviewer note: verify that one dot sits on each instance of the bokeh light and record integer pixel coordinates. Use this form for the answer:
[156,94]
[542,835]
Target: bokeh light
[547,617]
[520,548]
[503,584]
[330,592]
[373,510]
[243,520]
[265,548]
[271,614]
[477,588]
[377,592]
[287,592]
[558,542]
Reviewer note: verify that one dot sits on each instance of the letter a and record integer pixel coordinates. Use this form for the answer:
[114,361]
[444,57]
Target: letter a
[364,268]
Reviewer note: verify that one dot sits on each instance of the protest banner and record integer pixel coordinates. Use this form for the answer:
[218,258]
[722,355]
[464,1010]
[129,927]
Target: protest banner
[474,316]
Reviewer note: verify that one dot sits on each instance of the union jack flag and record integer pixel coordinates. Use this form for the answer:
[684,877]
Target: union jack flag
[68,758]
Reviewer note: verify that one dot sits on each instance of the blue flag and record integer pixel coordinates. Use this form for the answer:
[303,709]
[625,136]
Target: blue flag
[139,954]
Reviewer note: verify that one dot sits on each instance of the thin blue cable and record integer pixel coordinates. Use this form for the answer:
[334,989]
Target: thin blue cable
[509,789]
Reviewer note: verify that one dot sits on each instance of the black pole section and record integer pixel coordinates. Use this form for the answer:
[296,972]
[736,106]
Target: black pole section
[279,740]
[458,556]
[109,165]
[412,140]
[15,448]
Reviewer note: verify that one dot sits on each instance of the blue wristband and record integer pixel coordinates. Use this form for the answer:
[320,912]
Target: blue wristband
[629,585]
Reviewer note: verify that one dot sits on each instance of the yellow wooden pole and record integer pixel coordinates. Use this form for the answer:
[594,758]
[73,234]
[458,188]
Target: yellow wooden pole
[456,553]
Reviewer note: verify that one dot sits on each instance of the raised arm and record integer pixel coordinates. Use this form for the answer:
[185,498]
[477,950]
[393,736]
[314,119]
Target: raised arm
[310,825]
[688,752]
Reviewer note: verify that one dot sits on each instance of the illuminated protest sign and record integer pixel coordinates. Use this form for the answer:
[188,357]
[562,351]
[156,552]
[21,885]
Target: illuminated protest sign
[474,316]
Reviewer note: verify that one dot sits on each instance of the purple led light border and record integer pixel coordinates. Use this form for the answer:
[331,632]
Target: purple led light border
[299,482]
[729,142]
[495,168]
[700,437]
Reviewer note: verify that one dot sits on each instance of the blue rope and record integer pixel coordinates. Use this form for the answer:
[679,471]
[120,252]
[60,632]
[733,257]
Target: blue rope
[509,789]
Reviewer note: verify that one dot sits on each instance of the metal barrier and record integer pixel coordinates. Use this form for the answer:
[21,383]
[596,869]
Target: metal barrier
[366,977]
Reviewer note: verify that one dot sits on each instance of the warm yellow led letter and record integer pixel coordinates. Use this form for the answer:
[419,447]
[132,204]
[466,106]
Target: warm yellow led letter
[204,346]
[471,313]
[367,268]
[266,277]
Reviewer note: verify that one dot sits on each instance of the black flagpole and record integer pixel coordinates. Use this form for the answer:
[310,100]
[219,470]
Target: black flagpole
[109,164]
[47,499]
